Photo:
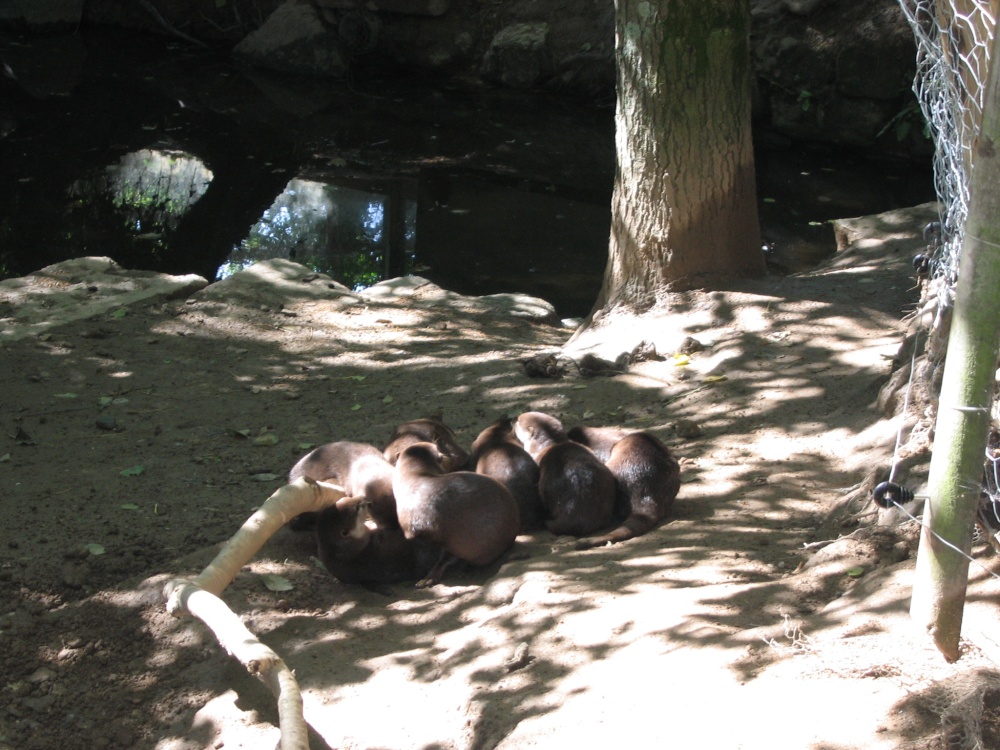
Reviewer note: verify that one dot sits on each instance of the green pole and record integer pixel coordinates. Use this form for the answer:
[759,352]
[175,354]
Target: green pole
[967,388]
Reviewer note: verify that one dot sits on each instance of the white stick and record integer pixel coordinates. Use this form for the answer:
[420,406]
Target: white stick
[199,597]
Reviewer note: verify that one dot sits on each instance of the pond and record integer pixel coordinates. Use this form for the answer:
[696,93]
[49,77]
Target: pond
[176,160]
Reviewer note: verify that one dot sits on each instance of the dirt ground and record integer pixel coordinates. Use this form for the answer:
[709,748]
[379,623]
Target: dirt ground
[144,420]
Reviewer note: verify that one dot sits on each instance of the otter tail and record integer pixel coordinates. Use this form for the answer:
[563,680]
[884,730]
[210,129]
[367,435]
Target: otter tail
[633,526]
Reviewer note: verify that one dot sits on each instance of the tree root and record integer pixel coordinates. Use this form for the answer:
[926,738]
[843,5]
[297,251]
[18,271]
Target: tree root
[199,597]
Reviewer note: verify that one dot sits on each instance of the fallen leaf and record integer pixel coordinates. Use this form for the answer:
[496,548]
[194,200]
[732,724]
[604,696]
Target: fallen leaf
[133,472]
[715,378]
[265,439]
[276,583]
[121,312]
[94,549]
[129,506]
[855,572]
[388,400]
[64,395]
[356,407]
[264,477]
[242,433]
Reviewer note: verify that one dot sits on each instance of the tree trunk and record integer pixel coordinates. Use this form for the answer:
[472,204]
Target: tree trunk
[967,390]
[684,208]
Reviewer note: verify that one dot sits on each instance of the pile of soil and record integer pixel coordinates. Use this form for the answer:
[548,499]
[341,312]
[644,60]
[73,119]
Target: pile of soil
[768,611]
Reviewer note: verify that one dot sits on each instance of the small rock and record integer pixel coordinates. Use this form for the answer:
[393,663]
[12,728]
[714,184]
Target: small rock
[106,422]
[42,674]
[687,428]
[690,345]
[519,659]
[75,576]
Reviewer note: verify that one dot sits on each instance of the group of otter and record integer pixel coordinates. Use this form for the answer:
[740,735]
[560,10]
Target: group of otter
[423,502]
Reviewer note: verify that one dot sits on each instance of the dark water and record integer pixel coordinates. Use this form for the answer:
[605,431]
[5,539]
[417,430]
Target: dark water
[172,160]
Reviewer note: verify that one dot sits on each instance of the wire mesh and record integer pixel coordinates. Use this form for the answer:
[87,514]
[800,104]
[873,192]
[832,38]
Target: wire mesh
[953,44]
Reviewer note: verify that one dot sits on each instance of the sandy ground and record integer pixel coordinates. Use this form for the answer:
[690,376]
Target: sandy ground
[142,431]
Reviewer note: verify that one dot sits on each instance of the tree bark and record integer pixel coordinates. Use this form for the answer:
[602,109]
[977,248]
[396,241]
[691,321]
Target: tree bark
[684,208]
[967,390]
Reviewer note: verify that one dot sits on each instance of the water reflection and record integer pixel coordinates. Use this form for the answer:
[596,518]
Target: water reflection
[358,236]
[150,189]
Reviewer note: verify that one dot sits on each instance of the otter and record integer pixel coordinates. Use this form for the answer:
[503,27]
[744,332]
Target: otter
[648,476]
[357,467]
[497,453]
[355,553]
[577,490]
[471,516]
[428,431]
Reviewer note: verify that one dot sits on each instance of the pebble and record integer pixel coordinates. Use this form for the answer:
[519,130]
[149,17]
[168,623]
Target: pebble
[42,674]
[106,422]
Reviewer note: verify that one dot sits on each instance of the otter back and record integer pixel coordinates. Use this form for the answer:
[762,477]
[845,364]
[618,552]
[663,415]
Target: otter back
[472,516]
[497,453]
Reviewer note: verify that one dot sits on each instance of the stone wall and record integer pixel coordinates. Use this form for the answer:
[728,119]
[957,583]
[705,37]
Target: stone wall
[836,71]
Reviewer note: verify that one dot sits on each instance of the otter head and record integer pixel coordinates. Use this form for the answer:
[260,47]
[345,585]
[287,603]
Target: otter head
[342,530]
[422,458]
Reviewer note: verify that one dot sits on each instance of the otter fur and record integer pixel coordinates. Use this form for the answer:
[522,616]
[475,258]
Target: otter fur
[648,477]
[498,454]
[472,516]
[357,467]
[428,431]
[354,552]
[577,490]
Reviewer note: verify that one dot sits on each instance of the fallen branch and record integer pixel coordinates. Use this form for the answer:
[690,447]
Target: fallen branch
[199,597]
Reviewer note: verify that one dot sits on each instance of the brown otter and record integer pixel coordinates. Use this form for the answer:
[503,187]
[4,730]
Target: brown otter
[497,453]
[355,553]
[357,467]
[577,490]
[472,516]
[428,431]
[648,479]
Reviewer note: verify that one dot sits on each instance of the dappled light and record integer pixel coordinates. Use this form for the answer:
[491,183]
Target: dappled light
[724,602]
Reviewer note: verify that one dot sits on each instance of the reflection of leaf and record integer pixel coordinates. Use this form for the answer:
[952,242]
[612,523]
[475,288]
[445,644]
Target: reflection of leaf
[94,549]
[133,472]
[276,583]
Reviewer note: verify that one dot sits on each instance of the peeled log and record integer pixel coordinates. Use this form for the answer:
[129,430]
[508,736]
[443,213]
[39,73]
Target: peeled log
[199,597]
